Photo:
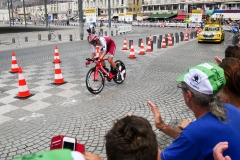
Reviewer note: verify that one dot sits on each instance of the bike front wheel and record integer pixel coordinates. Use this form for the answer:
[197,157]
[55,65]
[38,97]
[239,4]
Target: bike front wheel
[95,86]
[120,77]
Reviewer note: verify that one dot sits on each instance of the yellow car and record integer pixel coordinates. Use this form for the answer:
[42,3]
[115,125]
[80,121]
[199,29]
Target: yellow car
[211,33]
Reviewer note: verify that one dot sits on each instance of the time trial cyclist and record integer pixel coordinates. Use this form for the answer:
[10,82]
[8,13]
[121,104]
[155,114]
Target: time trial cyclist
[107,46]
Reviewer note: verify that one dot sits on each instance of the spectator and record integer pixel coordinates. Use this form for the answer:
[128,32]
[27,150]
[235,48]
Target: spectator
[215,122]
[130,138]
[231,51]
[218,151]
[231,91]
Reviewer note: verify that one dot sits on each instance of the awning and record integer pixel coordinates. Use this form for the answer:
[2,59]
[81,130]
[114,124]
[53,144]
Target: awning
[180,17]
[161,15]
[233,16]
[145,17]
[209,12]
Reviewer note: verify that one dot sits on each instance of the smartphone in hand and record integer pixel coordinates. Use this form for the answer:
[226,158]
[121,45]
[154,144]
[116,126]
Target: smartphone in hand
[69,143]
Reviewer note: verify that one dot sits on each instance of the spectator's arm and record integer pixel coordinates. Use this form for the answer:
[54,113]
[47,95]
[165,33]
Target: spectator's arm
[159,124]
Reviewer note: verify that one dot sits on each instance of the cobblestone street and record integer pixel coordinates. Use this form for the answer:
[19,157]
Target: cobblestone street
[27,126]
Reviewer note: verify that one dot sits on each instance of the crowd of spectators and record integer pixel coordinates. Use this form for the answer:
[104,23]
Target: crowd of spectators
[212,92]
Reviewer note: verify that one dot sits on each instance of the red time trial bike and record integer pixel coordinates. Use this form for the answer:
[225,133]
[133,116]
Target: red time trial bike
[95,78]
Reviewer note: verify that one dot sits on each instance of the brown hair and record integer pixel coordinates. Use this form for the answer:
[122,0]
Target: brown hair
[231,67]
[233,51]
[131,138]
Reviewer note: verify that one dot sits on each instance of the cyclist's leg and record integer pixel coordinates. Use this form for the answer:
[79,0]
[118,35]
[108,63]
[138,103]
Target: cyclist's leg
[111,53]
[103,62]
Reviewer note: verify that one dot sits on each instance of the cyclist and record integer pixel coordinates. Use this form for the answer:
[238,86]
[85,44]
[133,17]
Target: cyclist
[107,46]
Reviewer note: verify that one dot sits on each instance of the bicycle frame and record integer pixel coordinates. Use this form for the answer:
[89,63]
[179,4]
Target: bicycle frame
[99,66]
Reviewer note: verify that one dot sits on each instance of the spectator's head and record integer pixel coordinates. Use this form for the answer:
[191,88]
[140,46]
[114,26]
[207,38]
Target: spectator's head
[232,51]
[131,138]
[231,67]
[201,85]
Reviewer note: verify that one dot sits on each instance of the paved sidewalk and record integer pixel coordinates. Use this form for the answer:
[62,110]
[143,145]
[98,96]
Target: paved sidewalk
[19,33]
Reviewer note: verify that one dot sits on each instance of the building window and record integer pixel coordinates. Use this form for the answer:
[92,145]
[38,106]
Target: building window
[181,6]
[162,7]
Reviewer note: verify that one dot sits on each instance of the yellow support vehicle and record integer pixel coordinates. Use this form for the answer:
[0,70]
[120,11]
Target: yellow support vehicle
[212,31]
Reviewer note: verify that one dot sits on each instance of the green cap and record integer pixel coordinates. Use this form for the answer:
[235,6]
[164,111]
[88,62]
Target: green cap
[206,78]
[57,154]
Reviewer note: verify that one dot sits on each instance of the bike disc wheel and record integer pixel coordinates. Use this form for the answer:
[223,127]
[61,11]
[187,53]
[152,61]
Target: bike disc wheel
[120,77]
[93,86]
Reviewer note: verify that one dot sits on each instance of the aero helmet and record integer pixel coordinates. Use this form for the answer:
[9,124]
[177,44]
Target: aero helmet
[92,38]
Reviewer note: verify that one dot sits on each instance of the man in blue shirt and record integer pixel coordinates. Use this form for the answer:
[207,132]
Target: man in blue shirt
[214,122]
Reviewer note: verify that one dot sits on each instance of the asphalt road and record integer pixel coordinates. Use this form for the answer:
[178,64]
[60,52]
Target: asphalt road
[26,126]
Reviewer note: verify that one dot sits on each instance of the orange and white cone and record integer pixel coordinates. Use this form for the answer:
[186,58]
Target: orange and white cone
[168,26]
[148,25]
[23,91]
[142,48]
[58,78]
[149,46]
[177,26]
[14,67]
[185,28]
[186,37]
[132,54]
[56,58]
[125,44]
[170,40]
[97,51]
[150,38]
[163,43]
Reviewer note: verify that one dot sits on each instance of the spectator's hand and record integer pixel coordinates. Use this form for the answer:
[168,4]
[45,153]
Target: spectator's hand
[218,60]
[90,156]
[158,122]
[218,151]
[184,123]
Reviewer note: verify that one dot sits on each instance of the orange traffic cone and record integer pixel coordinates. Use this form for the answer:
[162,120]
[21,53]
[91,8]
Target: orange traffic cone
[125,44]
[132,54]
[177,26]
[163,43]
[56,58]
[168,26]
[149,46]
[185,28]
[97,52]
[186,37]
[150,37]
[23,91]
[58,79]
[14,67]
[170,40]
[148,25]
[141,48]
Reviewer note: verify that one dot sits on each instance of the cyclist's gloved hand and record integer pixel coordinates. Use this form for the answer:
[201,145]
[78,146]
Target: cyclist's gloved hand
[87,63]
[99,59]
[88,59]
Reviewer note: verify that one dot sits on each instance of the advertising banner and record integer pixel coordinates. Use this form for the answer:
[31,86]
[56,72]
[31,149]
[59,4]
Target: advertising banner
[196,16]
[91,15]
[129,16]
[121,16]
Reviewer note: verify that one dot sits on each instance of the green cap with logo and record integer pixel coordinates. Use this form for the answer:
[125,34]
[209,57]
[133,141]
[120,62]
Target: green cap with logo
[206,78]
[57,154]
